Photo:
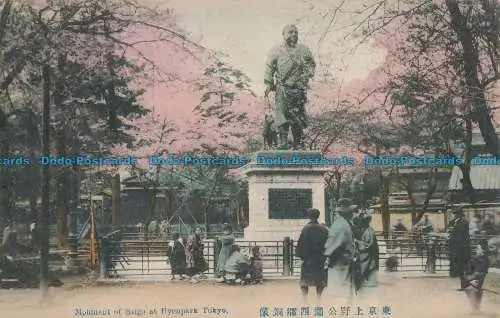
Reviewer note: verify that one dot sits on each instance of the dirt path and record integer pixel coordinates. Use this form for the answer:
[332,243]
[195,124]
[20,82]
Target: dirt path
[407,298]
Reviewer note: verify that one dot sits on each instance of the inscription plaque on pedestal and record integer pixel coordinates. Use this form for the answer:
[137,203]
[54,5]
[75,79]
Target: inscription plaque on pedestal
[289,203]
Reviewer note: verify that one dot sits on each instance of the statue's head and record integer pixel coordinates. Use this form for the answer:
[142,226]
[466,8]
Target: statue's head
[291,35]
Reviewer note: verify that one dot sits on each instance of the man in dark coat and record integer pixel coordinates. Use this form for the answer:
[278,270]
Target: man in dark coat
[459,244]
[310,249]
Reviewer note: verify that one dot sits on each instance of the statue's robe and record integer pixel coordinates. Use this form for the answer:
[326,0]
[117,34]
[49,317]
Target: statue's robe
[369,258]
[311,250]
[288,71]
[340,249]
[227,242]
[459,246]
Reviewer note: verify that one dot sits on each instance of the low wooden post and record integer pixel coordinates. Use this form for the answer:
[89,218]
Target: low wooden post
[217,248]
[103,258]
[286,256]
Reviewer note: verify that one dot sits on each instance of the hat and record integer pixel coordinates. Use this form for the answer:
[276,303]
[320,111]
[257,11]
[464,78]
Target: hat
[344,206]
[313,213]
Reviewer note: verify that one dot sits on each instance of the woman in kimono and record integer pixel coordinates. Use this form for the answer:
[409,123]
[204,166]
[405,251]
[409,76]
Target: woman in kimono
[194,256]
[237,265]
[368,253]
[227,241]
[177,256]
[477,269]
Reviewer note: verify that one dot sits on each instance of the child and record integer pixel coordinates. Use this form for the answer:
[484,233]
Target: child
[475,274]
[256,266]
[177,255]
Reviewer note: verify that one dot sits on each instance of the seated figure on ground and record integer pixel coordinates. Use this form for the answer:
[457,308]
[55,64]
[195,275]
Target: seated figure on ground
[237,267]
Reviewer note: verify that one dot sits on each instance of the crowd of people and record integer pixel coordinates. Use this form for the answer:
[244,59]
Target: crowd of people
[344,256]
[187,260]
[486,226]
[342,259]
[347,253]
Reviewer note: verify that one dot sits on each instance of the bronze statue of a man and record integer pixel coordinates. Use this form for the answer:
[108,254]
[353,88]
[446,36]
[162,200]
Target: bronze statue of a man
[289,68]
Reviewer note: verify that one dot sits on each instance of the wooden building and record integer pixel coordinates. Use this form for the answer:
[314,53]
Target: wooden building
[402,207]
[183,203]
[485,181]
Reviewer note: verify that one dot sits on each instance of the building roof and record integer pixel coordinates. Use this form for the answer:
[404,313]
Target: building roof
[404,208]
[483,177]
[477,141]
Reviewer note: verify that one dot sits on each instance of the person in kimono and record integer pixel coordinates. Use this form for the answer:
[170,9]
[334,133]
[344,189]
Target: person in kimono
[459,244]
[237,266]
[430,264]
[368,253]
[489,227]
[153,229]
[475,275]
[474,226]
[194,256]
[177,256]
[256,266]
[141,231]
[164,229]
[311,250]
[227,241]
[340,248]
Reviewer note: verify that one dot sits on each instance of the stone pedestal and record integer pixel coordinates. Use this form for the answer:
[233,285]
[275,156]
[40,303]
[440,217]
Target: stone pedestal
[282,185]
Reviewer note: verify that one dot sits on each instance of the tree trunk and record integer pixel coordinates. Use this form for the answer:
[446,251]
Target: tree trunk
[61,194]
[45,213]
[152,203]
[384,199]
[205,215]
[62,177]
[237,208]
[116,201]
[431,188]
[5,175]
[384,206]
[338,185]
[34,181]
[471,62]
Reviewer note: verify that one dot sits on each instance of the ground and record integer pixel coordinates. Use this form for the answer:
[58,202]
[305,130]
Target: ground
[410,297]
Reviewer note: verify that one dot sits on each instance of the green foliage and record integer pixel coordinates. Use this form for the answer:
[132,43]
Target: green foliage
[220,91]
[99,92]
